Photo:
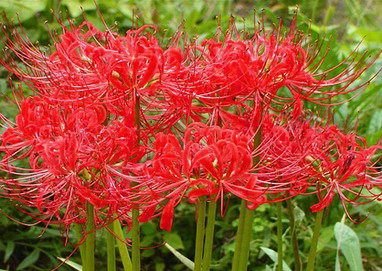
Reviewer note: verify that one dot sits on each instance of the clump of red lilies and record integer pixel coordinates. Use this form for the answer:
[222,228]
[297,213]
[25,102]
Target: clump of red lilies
[122,129]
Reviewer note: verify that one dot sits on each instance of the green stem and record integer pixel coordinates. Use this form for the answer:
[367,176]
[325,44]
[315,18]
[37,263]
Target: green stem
[90,239]
[239,236]
[78,231]
[200,231]
[110,246]
[313,248]
[314,8]
[244,233]
[123,252]
[279,237]
[135,231]
[246,240]
[292,223]
[209,238]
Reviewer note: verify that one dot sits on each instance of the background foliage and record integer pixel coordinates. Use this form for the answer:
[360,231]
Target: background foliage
[341,25]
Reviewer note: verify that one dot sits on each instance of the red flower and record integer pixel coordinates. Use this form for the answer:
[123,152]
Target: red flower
[234,71]
[212,162]
[282,165]
[74,156]
[299,158]
[342,165]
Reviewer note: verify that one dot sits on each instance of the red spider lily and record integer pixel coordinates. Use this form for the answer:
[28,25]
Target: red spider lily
[215,77]
[213,161]
[88,64]
[301,158]
[238,72]
[73,159]
[282,166]
[343,166]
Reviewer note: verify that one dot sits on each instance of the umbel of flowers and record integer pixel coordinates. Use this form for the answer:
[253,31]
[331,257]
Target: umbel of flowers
[122,130]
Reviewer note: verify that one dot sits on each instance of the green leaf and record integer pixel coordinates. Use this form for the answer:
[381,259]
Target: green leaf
[24,9]
[9,250]
[76,266]
[369,35]
[373,138]
[273,255]
[148,228]
[375,124]
[325,238]
[76,7]
[186,261]
[29,260]
[160,266]
[3,86]
[174,240]
[298,214]
[126,8]
[348,243]
[375,127]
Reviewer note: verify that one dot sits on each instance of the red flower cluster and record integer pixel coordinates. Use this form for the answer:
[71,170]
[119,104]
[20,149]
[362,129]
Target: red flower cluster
[120,122]
[307,158]
[70,155]
[210,162]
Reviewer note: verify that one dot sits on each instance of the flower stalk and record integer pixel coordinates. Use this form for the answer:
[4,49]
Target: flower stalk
[246,239]
[136,241]
[82,245]
[110,248]
[89,263]
[314,241]
[239,237]
[244,233]
[200,232]
[292,223]
[209,237]
[279,236]
[135,231]
[121,244]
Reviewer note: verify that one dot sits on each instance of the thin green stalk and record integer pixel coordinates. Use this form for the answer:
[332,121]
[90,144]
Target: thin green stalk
[244,234]
[279,237]
[123,252]
[136,246]
[246,240]
[110,246]
[313,248]
[314,8]
[209,238]
[296,251]
[135,231]
[200,231]
[90,239]
[78,231]
[239,237]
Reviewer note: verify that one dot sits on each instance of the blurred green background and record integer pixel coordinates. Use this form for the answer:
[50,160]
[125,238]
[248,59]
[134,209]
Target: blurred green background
[340,24]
